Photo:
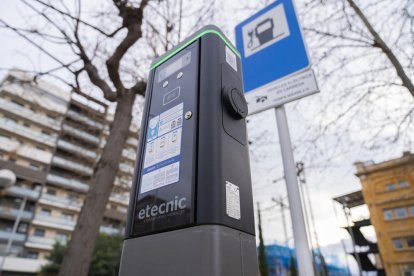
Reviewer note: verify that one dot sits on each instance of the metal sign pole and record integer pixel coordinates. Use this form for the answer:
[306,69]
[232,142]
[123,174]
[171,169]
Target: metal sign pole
[303,254]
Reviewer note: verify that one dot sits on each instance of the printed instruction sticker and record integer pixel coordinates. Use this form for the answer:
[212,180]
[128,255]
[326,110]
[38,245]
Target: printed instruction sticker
[231,58]
[163,149]
[232,200]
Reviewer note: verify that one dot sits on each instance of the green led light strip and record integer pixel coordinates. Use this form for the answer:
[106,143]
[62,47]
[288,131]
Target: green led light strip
[191,41]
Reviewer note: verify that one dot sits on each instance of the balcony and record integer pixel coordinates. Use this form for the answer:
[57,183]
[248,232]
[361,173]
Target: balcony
[43,94]
[42,242]
[5,235]
[61,202]
[72,166]
[7,212]
[67,183]
[29,152]
[76,149]
[126,168]
[132,141]
[129,153]
[23,192]
[120,198]
[116,214]
[124,182]
[54,222]
[22,172]
[29,114]
[13,127]
[85,120]
[109,230]
[80,134]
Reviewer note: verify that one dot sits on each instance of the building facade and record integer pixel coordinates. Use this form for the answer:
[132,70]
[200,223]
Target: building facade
[52,139]
[388,190]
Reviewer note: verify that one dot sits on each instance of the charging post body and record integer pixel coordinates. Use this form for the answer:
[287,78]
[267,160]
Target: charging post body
[191,207]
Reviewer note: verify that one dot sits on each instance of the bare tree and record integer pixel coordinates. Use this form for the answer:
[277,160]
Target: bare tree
[363,54]
[109,47]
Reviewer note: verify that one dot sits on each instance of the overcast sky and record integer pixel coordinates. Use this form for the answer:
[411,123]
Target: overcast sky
[325,179]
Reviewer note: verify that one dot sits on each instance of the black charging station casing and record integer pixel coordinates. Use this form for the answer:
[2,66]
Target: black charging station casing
[214,146]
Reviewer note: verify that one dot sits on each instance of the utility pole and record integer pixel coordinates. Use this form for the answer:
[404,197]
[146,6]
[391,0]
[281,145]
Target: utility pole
[8,179]
[283,207]
[300,167]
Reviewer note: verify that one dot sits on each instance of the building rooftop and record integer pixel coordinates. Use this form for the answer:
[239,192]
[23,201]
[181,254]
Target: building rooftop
[364,168]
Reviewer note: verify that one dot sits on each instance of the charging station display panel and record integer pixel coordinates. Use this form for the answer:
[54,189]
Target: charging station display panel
[167,173]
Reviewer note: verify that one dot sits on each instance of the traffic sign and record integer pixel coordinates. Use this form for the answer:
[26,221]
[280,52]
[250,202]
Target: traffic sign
[272,47]
[273,51]
[282,91]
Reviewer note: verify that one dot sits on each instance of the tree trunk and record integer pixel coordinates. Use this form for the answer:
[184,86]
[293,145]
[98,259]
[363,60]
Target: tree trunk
[81,246]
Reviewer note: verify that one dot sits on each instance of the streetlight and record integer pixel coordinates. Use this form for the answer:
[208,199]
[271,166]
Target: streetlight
[8,179]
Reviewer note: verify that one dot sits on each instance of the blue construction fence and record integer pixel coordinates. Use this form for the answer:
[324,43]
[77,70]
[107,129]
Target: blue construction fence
[278,260]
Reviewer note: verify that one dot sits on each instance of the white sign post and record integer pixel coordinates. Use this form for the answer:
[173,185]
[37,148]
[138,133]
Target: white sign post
[276,70]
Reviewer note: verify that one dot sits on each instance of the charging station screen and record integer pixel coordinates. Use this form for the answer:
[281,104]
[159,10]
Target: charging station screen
[174,67]
[167,173]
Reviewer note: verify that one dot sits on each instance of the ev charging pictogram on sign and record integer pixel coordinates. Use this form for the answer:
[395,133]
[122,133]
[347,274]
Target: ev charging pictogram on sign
[265,30]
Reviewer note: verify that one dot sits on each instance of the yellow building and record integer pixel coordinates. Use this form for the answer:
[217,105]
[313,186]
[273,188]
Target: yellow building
[388,190]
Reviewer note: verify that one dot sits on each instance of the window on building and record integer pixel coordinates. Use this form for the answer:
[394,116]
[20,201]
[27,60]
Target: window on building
[388,215]
[45,132]
[410,242]
[50,191]
[397,244]
[40,148]
[72,197]
[62,238]
[45,212]
[39,232]
[26,125]
[32,255]
[411,208]
[51,116]
[409,272]
[12,159]
[22,228]
[401,212]
[403,184]
[34,166]
[390,187]
[18,103]
[10,119]
[37,187]
[67,216]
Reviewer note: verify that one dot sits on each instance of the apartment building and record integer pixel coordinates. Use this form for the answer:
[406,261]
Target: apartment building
[51,139]
[388,190]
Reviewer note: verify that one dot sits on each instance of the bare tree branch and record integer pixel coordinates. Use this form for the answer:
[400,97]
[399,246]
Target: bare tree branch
[380,43]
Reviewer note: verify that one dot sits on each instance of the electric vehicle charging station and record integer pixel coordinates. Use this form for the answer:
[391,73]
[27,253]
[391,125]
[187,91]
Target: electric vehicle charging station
[191,207]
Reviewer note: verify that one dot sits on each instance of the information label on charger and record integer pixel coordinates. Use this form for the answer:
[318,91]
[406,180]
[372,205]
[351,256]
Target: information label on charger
[162,150]
[232,200]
